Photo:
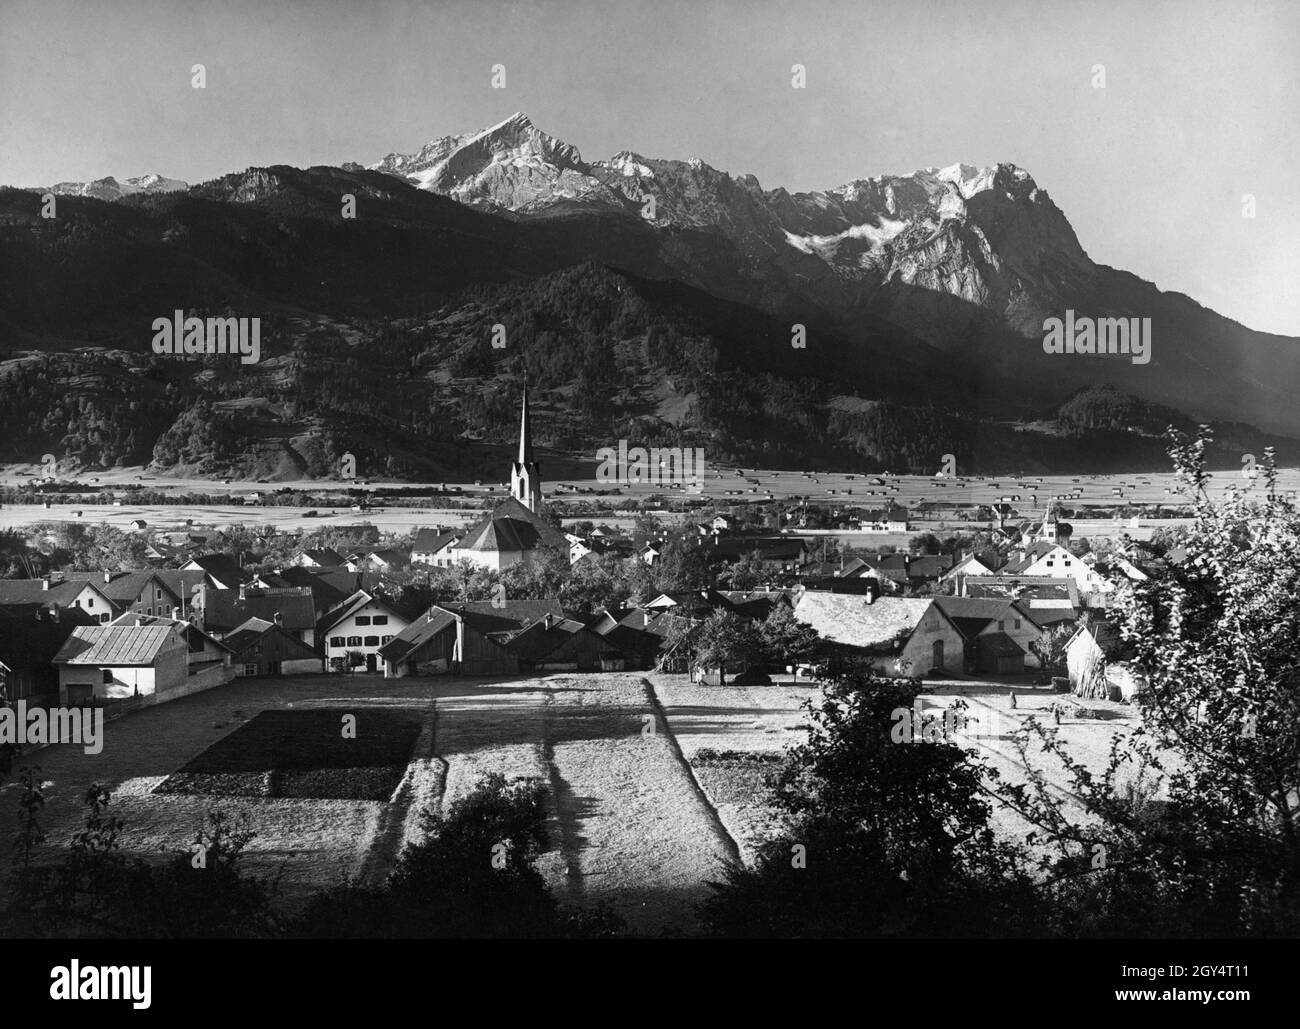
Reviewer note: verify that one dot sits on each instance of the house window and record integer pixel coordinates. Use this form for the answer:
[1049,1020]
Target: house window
[1016,623]
[338,641]
[1066,562]
[354,641]
[380,620]
[104,618]
[387,639]
[250,669]
[108,677]
[90,602]
[157,594]
[363,619]
[1001,626]
[372,641]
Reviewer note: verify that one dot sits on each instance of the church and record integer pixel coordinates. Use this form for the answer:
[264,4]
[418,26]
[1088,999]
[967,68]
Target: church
[513,533]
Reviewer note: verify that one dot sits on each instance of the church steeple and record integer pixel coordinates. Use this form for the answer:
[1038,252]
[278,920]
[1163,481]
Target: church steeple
[525,432]
[525,476]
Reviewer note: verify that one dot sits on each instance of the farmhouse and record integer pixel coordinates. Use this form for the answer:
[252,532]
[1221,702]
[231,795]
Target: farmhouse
[563,644]
[145,593]
[118,662]
[981,620]
[259,647]
[361,625]
[1049,601]
[893,635]
[386,560]
[470,639]
[205,654]
[50,591]
[221,612]
[223,571]
[1053,561]
[433,547]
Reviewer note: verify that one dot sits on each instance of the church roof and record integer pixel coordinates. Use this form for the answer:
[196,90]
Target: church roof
[511,527]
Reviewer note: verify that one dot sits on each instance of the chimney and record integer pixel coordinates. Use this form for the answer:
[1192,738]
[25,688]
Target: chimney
[45,583]
[242,595]
[279,619]
[108,576]
[873,591]
[176,613]
[546,621]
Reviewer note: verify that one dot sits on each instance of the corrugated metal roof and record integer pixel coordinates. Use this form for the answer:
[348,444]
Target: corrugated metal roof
[116,644]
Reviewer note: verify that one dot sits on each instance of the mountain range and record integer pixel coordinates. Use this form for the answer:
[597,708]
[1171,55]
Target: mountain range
[923,291]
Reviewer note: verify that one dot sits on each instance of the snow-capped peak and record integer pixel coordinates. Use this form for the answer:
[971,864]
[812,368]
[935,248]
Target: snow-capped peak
[109,188]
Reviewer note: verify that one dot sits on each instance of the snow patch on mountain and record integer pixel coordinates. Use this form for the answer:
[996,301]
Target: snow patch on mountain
[876,235]
[109,188]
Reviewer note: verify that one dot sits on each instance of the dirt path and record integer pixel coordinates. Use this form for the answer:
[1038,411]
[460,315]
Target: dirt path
[629,826]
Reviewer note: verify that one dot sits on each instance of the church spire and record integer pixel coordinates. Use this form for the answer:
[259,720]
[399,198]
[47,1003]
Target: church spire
[525,430]
[525,476]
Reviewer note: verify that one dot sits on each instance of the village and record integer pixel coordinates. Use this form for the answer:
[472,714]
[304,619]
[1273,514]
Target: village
[195,616]
[711,637]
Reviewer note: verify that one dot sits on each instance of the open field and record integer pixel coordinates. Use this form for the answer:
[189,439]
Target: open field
[766,720]
[641,817]
[1027,495]
[628,825]
[314,842]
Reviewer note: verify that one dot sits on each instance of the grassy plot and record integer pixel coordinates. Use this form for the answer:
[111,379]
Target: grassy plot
[306,753]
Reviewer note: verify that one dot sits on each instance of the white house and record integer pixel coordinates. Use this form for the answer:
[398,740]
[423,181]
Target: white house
[434,548]
[363,623]
[1053,561]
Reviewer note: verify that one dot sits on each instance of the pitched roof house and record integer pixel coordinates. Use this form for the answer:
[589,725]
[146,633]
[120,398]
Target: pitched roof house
[323,558]
[431,547]
[223,571]
[892,635]
[119,662]
[261,647]
[83,594]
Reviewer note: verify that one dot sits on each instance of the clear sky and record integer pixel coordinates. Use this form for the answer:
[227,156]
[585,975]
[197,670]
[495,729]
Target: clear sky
[1201,103]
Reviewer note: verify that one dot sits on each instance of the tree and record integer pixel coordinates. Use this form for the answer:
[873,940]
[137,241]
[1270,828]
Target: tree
[784,639]
[747,573]
[1214,644]
[682,566]
[925,543]
[726,638]
[472,875]
[882,838]
[1050,649]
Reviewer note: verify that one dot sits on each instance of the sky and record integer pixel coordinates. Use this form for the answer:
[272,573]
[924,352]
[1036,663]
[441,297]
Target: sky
[1198,110]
